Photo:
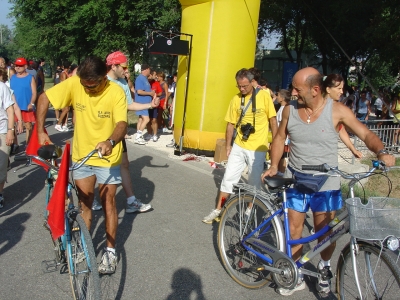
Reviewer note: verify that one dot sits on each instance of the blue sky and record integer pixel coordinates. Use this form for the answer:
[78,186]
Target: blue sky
[4,11]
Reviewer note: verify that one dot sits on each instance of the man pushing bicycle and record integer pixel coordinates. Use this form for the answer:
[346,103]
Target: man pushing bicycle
[101,123]
[313,123]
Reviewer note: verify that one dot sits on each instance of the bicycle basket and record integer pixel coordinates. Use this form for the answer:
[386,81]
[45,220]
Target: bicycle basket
[375,220]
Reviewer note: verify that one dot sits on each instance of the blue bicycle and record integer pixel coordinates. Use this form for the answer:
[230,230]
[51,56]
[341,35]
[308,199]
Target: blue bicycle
[254,239]
[75,247]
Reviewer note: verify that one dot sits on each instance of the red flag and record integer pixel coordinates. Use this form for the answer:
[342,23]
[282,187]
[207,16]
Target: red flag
[56,206]
[34,145]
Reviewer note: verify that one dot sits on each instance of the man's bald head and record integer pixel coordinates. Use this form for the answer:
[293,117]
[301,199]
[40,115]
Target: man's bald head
[308,77]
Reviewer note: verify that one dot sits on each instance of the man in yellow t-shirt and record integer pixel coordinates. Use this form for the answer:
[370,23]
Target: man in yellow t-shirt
[100,123]
[251,142]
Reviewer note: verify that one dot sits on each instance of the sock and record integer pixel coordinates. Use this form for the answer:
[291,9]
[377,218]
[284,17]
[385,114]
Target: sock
[131,199]
[111,250]
[138,133]
[322,264]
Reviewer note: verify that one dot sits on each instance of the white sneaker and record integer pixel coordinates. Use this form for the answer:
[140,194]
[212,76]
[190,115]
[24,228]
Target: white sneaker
[96,205]
[166,130]
[137,206]
[155,138]
[65,128]
[108,263]
[140,141]
[58,128]
[214,214]
[286,292]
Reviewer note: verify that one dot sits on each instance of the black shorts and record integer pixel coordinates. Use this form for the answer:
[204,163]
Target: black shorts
[153,113]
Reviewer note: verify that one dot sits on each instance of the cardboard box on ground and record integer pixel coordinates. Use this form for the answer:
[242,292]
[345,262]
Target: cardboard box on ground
[220,151]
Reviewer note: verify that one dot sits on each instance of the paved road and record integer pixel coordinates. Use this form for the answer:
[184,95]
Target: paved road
[167,253]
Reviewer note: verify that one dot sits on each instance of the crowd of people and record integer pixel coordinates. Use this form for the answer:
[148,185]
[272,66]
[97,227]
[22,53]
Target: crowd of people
[305,126]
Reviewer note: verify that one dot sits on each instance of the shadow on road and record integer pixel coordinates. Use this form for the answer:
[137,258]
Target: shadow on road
[184,283]
[12,230]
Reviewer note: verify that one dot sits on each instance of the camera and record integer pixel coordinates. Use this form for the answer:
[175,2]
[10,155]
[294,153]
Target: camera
[247,130]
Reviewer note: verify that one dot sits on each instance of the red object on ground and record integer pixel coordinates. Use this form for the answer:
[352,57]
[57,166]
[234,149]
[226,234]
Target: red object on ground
[56,206]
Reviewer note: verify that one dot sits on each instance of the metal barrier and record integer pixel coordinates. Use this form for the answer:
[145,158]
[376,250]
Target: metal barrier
[386,131]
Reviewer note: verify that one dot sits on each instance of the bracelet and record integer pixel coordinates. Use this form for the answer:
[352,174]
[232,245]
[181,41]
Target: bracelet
[33,104]
[150,107]
[11,129]
[383,151]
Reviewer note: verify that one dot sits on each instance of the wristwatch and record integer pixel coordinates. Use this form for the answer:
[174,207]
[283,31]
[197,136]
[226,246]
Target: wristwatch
[383,151]
[11,129]
[112,142]
[150,107]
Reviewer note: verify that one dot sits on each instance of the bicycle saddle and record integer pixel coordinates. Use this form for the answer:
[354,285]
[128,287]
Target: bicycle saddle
[277,181]
[49,151]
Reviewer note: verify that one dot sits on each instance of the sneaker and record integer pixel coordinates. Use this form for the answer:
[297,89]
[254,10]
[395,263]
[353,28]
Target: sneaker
[1,201]
[137,206]
[58,128]
[147,137]
[96,205]
[166,130]
[155,138]
[108,263]
[140,141]
[171,144]
[212,216]
[65,128]
[301,285]
[324,281]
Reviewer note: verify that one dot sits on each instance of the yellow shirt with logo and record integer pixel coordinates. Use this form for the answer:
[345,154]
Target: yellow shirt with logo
[95,117]
[258,141]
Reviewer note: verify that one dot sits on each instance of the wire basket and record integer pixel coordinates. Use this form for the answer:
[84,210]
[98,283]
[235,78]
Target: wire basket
[375,220]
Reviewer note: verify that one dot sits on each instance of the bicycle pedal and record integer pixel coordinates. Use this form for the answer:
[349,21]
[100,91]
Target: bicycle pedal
[49,266]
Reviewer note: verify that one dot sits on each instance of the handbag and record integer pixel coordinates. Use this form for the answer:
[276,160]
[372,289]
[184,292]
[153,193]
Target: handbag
[308,183]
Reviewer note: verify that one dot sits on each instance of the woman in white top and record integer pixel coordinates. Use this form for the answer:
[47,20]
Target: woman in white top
[283,99]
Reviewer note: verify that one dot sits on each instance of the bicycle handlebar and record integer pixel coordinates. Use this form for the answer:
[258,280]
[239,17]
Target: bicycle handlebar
[325,168]
[74,167]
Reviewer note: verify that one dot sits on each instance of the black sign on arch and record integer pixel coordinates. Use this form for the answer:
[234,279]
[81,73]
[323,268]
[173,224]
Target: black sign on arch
[165,45]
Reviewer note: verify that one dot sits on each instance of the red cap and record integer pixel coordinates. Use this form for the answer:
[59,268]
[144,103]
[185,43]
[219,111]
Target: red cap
[31,62]
[20,61]
[117,58]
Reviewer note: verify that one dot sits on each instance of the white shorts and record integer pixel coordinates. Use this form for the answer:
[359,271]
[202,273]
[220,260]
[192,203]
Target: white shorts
[237,161]
[4,151]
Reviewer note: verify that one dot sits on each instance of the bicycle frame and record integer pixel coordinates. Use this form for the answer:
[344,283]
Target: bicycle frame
[339,226]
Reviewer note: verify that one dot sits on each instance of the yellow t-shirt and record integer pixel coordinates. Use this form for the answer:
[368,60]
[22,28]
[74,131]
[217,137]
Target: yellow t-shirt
[258,141]
[95,117]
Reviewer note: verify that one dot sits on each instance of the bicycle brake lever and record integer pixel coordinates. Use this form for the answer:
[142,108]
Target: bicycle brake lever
[99,153]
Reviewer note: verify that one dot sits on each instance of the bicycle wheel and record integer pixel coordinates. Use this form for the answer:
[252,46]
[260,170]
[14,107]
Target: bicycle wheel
[378,274]
[238,262]
[83,273]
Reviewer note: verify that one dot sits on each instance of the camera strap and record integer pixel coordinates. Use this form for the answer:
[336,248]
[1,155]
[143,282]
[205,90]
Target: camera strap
[244,109]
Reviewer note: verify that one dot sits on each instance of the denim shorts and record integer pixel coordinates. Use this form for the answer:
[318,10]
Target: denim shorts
[104,175]
[318,202]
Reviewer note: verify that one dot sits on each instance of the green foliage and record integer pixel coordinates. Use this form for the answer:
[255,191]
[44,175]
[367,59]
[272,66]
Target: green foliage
[364,29]
[74,29]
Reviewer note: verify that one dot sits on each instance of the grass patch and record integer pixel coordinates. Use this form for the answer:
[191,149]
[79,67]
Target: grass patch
[378,185]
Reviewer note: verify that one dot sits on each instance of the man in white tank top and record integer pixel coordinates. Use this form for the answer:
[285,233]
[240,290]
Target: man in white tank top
[319,121]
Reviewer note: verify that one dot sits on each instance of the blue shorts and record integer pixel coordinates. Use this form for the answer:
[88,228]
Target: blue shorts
[104,175]
[143,112]
[318,202]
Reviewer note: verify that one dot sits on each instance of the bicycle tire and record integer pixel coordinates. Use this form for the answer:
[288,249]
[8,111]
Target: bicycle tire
[236,259]
[386,273]
[82,266]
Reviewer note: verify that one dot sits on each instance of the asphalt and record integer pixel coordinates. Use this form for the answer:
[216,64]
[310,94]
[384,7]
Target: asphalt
[167,253]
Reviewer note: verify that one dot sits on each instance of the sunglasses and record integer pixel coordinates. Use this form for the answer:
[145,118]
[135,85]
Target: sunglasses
[91,87]
[19,66]
[125,68]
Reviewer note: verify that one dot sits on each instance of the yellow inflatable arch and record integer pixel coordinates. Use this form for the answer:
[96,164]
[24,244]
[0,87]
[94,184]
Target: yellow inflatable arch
[224,41]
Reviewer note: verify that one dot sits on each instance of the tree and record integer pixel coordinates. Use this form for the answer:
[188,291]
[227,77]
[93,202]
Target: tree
[74,29]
